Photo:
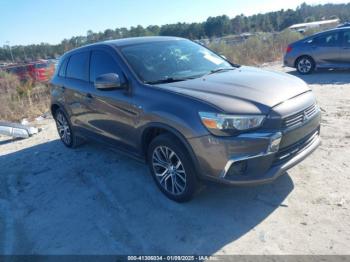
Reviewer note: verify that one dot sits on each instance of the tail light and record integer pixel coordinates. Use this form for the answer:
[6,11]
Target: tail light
[289,48]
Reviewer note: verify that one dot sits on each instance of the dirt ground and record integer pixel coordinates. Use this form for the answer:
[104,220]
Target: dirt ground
[93,201]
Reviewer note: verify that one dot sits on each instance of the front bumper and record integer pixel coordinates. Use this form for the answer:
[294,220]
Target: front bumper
[277,170]
[216,156]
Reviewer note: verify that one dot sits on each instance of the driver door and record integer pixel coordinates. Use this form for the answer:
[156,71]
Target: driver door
[111,115]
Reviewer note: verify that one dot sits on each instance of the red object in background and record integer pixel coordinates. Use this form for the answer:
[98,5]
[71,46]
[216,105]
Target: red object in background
[289,48]
[41,71]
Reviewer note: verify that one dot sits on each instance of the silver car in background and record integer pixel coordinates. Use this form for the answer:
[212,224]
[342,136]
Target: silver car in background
[329,49]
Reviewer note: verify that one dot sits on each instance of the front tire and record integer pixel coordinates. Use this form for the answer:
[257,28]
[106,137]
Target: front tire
[171,167]
[305,65]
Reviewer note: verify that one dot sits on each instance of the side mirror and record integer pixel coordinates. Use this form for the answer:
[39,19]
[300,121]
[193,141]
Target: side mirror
[108,82]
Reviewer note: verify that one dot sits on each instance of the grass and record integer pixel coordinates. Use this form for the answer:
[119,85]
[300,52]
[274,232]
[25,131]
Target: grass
[258,49]
[20,100]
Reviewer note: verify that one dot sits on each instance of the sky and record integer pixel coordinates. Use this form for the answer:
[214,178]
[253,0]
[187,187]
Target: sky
[50,21]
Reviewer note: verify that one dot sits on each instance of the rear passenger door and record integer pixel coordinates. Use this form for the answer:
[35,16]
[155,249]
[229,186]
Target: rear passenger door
[77,87]
[326,49]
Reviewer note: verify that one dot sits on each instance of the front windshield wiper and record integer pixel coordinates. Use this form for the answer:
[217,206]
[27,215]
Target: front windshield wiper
[168,80]
[221,69]
[174,79]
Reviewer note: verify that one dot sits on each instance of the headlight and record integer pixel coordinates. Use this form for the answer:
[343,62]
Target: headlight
[221,123]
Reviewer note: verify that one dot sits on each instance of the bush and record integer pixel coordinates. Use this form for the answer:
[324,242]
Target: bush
[8,83]
[258,49]
[20,100]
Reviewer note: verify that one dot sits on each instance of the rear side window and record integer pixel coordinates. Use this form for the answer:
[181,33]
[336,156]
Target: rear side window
[331,39]
[78,66]
[62,71]
[102,63]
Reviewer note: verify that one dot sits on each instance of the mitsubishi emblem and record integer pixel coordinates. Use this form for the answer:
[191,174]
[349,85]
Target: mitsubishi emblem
[305,117]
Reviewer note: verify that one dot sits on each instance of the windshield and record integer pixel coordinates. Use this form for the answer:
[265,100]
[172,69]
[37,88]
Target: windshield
[172,60]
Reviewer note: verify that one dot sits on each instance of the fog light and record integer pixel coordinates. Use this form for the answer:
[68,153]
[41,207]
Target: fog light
[274,143]
[237,168]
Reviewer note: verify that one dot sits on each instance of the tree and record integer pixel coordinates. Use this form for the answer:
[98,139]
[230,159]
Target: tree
[153,29]
[217,26]
[90,36]
[108,34]
[195,31]
[239,24]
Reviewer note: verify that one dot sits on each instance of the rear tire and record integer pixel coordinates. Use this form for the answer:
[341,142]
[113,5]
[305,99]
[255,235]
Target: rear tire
[65,131]
[171,167]
[305,65]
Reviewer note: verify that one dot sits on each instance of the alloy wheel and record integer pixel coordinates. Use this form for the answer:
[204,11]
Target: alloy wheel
[304,65]
[169,170]
[63,128]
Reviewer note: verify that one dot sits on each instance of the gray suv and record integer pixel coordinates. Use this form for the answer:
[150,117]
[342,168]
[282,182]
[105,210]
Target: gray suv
[187,112]
[329,49]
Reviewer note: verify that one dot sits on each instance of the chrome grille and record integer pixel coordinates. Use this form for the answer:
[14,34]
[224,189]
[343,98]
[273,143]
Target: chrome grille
[300,117]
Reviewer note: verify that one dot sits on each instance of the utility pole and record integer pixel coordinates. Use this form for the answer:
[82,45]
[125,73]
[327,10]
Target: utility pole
[8,43]
[24,52]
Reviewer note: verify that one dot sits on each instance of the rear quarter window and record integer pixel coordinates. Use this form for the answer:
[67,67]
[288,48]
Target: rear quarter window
[62,68]
[78,66]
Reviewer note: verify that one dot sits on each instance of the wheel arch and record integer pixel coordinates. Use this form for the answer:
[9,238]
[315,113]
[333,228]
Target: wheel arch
[53,108]
[153,130]
[304,55]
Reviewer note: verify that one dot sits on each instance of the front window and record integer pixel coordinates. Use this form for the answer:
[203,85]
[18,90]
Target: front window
[173,60]
[78,66]
[101,63]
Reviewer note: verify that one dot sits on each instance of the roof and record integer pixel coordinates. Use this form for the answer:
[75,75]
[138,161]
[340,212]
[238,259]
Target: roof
[140,40]
[332,29]
[316,23]
[346,24]
[125,42]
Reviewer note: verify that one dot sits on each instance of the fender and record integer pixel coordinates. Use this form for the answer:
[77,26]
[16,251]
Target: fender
[174,132]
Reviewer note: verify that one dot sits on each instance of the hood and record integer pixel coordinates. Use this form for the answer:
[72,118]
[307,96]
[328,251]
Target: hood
[243,90]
